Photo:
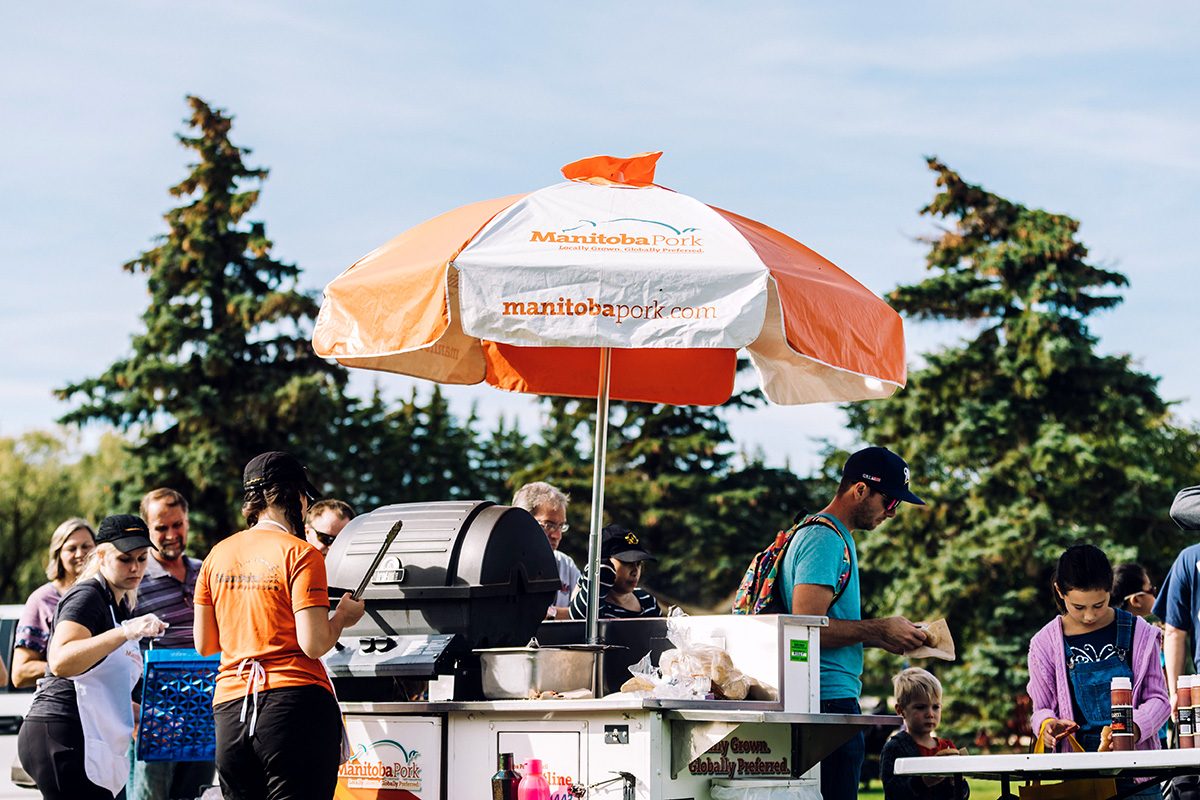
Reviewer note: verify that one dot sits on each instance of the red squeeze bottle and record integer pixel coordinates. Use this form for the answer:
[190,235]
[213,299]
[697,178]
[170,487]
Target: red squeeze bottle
[1186,723]
[533,786]
[1121,700]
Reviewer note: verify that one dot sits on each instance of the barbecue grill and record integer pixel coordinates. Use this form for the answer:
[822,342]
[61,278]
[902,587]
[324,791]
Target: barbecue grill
[459,576]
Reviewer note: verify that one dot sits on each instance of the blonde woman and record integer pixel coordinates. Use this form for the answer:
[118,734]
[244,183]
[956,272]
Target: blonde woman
[70,545]
[75,738]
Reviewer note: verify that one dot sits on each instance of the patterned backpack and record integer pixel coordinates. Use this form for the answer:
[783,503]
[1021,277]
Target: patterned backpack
[759,592]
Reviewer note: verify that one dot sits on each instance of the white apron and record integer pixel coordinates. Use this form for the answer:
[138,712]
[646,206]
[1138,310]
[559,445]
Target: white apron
[103,695]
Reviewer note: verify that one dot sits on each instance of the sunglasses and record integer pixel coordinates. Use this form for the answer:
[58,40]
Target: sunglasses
[889,503]
[324,538]
[1152,591]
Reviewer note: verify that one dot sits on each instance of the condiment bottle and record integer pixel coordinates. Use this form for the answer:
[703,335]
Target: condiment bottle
[1121,699]
[1186,724]
[533,786]
[505,781]
[1195,684]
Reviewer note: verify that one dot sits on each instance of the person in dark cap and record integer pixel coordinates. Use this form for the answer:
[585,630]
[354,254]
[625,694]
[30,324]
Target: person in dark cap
[1178,604]
[74,740]
[819,576]
[262,600]
[622,557]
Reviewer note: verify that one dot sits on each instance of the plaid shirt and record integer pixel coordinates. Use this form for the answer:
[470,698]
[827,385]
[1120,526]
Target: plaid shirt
[161,594]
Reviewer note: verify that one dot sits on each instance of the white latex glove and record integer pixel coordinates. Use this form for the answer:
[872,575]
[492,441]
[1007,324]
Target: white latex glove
[139,628]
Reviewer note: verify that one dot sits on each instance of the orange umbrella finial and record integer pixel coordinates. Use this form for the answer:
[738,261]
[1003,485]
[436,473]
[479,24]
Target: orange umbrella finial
[636,170]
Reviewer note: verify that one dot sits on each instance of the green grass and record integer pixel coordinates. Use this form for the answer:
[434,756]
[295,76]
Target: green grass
[980,790]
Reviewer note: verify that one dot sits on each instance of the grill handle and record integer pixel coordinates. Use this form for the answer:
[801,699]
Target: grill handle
[387,542]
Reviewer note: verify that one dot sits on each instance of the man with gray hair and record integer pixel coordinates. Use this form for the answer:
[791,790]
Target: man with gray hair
[548,506]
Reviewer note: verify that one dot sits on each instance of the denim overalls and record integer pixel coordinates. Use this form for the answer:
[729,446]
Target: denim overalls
[1091,682]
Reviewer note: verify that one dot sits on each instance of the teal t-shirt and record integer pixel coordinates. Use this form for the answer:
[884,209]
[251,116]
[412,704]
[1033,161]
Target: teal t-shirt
[816,556]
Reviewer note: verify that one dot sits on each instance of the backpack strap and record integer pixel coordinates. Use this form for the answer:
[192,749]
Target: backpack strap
[844,578]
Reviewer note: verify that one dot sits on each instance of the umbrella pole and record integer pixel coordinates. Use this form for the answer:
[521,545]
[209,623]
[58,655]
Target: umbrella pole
[599,454]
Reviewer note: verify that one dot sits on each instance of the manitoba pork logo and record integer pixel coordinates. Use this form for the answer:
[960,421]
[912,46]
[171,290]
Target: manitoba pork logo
[623,232]
[383,764]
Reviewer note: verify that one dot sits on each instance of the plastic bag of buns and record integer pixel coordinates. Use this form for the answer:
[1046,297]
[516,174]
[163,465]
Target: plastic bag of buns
[706,660]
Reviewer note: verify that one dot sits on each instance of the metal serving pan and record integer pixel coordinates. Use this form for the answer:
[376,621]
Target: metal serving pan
[521,673]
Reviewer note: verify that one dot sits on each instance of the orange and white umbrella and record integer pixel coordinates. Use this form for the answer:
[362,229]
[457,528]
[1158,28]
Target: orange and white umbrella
[610,286]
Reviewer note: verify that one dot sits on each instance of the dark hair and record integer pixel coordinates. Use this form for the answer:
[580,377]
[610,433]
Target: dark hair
[1127,579]
[1082,567]
[284,496]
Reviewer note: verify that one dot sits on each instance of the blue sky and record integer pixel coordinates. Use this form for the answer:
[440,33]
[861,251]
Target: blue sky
[813,118]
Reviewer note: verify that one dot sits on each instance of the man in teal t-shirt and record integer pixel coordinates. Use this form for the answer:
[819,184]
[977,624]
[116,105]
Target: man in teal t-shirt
[820,576]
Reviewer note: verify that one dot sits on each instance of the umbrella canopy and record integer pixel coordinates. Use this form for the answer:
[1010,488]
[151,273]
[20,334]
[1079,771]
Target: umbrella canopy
[523,292]
[611,286]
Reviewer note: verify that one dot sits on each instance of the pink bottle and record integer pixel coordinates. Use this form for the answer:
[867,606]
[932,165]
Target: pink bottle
[533,786]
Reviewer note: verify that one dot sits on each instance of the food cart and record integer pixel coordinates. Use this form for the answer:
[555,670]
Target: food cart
[467,576]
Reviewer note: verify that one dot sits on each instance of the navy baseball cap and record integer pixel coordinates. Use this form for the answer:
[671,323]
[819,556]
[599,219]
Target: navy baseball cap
[882,470]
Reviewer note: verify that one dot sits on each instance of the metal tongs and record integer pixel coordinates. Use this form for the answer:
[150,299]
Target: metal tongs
[387,542]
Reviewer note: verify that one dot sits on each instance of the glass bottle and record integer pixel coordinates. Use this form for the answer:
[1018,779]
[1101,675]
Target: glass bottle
[506,780]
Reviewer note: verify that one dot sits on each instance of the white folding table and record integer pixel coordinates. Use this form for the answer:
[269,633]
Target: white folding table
[1158,764]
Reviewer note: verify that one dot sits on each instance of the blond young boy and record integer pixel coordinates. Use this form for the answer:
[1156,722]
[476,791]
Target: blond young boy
[919,701]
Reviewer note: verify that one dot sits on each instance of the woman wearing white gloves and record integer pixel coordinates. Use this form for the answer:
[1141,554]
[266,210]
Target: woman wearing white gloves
[75,740]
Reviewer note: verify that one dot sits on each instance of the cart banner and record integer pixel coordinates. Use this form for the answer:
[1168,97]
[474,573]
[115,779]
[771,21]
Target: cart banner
[577,265]
[754,751]
[394,758]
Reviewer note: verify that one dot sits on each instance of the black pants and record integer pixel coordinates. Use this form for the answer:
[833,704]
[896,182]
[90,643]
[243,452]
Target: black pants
[52,753]
[294,752]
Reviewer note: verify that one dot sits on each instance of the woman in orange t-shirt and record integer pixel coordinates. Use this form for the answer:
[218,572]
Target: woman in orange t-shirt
[262,600]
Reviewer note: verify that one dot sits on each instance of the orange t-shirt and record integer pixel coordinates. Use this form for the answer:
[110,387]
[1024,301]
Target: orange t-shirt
[255,582]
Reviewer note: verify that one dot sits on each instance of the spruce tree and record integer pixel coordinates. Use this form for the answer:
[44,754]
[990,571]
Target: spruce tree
[496,457]
[223,368]
[1022,437]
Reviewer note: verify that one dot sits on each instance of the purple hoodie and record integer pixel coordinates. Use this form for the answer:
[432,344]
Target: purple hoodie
[1050,689]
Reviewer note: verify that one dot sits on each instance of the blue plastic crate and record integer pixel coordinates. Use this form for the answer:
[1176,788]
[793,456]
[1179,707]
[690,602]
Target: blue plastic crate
[177,700]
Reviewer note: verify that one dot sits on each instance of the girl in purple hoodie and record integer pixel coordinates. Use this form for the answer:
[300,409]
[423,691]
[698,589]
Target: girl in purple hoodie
[1073,659]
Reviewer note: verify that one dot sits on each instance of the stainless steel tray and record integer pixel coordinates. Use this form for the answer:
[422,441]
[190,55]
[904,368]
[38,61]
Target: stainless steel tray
[520,673]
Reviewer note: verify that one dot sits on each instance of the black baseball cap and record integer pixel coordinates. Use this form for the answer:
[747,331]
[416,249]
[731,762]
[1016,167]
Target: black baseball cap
[126,532]
[617,541]
[277,467]
[882,470]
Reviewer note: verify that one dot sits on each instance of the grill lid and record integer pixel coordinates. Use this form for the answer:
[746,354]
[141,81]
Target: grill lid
[473,568]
